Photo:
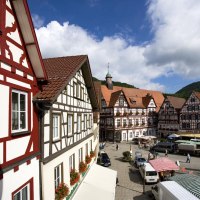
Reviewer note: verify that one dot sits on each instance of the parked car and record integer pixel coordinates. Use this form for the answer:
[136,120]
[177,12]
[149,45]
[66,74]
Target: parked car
[140,161]
[103,159]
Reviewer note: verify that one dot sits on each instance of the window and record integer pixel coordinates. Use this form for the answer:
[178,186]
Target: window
[121,101]
[90,145]
[85,122]
[118,122]
[86,149]
[56,127]
[23,194]
[82,93]
[72,162]
[69,123]
[78,123]
[80,155]
[75,89]
[19,111]
[57,175]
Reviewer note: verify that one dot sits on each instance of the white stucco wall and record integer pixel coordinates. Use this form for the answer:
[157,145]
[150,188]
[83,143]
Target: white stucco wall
[48,169]
[4,114]
[13,180]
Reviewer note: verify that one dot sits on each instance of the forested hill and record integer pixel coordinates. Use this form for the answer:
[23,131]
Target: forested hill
[186,91]
[115,83]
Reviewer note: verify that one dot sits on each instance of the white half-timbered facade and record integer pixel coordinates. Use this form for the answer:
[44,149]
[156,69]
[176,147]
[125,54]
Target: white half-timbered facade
[68,129]
[21,72]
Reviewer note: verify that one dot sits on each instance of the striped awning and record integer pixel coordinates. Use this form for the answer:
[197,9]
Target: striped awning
[188,181]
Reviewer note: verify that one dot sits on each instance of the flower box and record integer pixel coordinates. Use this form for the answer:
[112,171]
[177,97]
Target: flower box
[92,154]
[61,191]
[74,177]
[82,167]
[88,159]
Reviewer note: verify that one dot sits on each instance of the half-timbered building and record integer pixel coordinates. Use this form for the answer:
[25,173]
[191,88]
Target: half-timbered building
[68,130]
[21,75]
[169,115]
[190,116]
[127,113]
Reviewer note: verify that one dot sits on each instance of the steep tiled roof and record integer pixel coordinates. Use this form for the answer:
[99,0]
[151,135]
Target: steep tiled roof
[197,95]
[59,70]
[136,94]
[114,97]
[176,101]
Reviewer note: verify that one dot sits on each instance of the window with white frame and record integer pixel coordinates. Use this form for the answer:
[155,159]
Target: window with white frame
[80,155]
[85,122]
[57,175]
[90,145]
[78,123]
[72,162]
[56,126]
[69,124]
[23,194]
[86,149]
[19,111]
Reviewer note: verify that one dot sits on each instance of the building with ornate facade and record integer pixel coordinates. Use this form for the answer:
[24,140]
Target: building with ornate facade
[169,116]
[127,113]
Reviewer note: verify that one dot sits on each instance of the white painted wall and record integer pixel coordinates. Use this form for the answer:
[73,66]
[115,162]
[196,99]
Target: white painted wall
[4,114]
[48,169]
[13,180]
[13,150]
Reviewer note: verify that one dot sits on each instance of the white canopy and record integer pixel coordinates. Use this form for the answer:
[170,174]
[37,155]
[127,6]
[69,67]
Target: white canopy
[173,136]
[98,184]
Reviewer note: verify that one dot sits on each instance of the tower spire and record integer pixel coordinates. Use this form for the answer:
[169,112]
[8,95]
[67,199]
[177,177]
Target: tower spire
[109,79]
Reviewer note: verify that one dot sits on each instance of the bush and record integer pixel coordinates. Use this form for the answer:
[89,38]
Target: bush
[61,191]
[126,156]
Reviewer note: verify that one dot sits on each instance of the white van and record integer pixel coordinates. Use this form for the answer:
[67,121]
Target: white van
[148,173]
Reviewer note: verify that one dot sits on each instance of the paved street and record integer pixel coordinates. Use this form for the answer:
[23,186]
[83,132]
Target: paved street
[130,186]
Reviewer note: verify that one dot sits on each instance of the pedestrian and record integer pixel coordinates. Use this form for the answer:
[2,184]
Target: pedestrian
[117,147]
[166,153]
[188,158]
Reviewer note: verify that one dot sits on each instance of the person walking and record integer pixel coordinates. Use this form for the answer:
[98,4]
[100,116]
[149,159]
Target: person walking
[166,153]
[117,147]
[188,158]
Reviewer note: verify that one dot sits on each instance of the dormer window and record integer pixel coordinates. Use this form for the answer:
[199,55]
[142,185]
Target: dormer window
[132,100]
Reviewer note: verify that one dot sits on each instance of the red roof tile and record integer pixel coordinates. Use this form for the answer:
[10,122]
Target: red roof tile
[59,70]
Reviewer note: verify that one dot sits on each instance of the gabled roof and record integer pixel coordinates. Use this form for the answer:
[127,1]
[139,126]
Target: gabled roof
[197,94]
[176,102]
[27,29]
[114,97]
[60,71]
[133,93]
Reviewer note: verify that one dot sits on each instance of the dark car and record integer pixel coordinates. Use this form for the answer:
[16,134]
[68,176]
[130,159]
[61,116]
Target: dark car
[103,159]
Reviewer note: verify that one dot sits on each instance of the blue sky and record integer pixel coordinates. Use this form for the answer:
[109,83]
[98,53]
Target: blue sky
[152,44]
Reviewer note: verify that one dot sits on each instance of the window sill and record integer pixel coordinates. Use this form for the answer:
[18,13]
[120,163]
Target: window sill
[56,140]
[21,133]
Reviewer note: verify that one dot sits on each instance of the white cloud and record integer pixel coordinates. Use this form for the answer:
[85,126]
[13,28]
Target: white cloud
[174,49]
[37,21]
[127,63]
[176,44]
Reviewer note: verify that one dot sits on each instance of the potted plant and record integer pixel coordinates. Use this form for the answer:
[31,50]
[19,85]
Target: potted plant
[88,159]
[82,167]
[61,191]
[92,154]
[74,177]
